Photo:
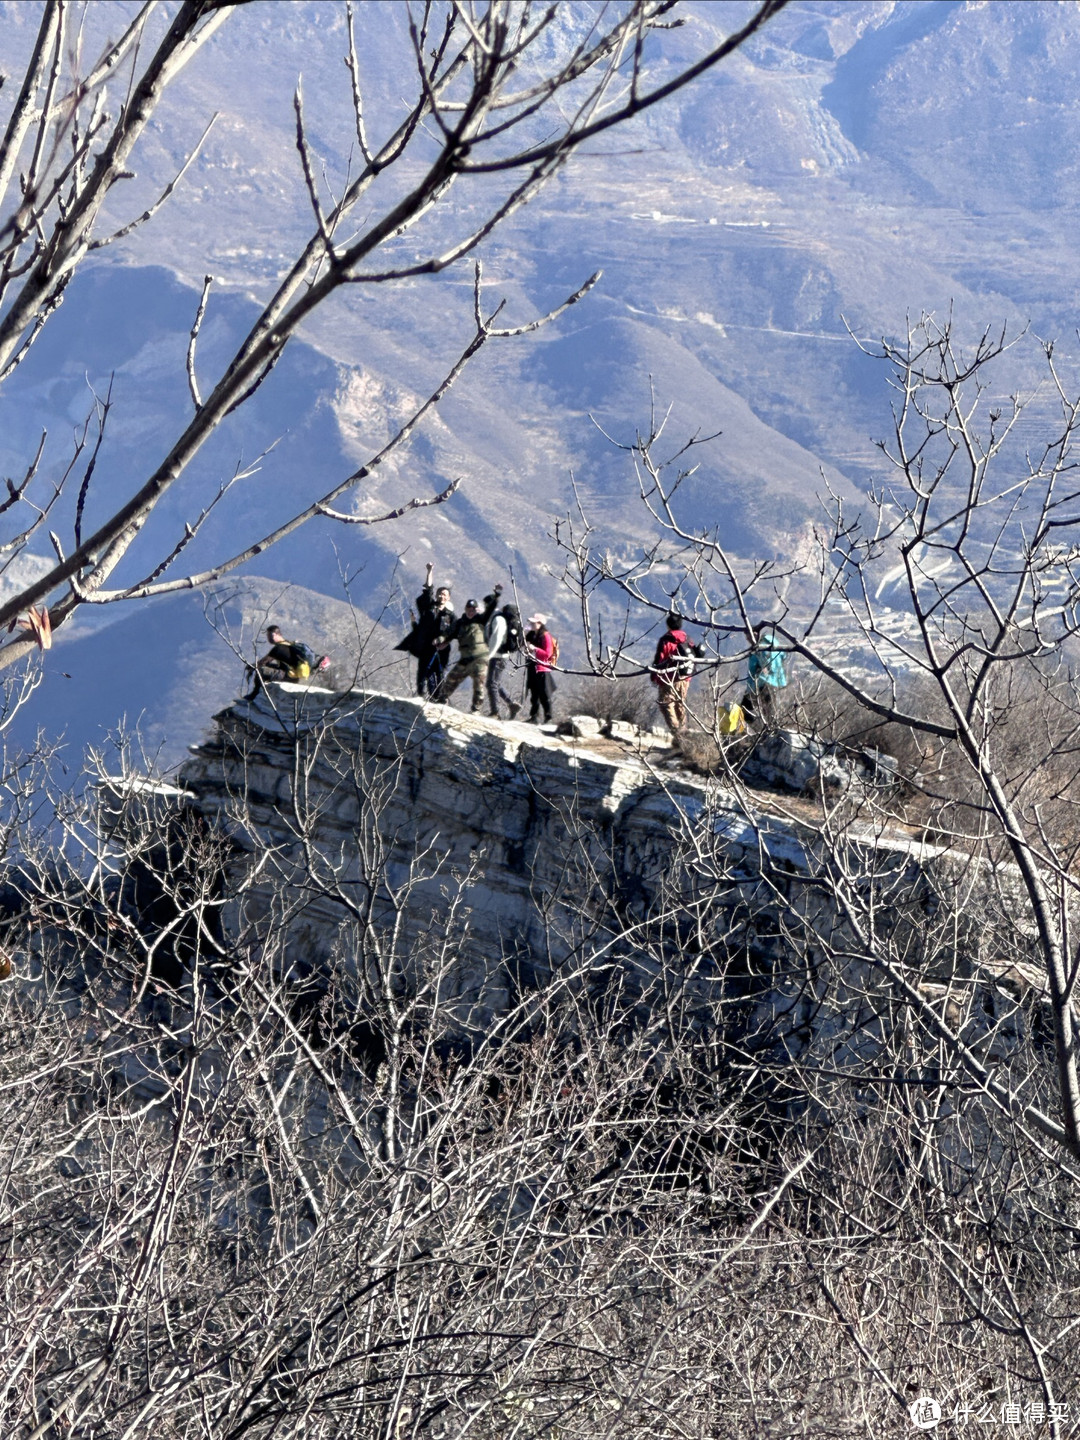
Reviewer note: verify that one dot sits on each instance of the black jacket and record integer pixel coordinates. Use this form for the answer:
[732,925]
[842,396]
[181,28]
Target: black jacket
[432,626]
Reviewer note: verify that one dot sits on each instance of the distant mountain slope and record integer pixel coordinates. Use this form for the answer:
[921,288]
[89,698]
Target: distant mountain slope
[159,672]
[856,164]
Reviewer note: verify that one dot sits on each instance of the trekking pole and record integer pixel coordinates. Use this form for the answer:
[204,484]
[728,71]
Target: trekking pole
[517,597]
[521,619]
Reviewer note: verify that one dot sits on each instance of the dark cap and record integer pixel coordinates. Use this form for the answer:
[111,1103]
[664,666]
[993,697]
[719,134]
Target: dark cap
[674,620]
[474,603]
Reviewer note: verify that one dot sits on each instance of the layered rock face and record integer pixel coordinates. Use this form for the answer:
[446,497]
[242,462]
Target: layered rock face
[514,855]
[415,815]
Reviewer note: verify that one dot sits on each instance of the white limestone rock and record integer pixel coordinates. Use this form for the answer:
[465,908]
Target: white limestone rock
[654,740]
[637,736]
[622,730]
[581,727]
[515,853]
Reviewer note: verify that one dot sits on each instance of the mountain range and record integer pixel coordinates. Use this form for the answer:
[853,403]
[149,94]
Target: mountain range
[855,165]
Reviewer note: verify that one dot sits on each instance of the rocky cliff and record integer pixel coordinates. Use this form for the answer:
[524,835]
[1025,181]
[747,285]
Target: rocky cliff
[371,824]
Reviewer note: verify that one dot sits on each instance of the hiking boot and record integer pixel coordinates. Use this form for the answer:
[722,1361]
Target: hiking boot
[494,712]
[514,710]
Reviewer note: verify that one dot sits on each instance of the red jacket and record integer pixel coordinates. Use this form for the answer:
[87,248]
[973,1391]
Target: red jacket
[668,659]
[541,645]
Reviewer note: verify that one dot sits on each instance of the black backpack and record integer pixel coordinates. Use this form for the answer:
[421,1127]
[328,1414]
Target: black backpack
[514,639]
[687,655]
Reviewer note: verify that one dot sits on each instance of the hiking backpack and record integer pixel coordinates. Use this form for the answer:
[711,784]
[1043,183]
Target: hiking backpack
[686,653]
[304,660]
[514,639]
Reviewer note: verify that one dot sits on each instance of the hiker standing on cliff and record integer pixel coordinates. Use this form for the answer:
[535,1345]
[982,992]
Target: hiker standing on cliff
[472,661]
[765,675]
[672,671]
[429,638]
[504,637]
[542,650]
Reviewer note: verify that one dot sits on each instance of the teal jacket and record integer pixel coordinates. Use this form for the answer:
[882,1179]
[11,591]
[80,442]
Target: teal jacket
[766,666]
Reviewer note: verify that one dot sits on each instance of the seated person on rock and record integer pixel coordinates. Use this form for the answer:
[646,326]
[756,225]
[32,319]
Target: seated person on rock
[285,660]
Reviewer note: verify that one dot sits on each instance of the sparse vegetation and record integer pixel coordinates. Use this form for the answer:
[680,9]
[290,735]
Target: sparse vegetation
[715,1176]
[633,701]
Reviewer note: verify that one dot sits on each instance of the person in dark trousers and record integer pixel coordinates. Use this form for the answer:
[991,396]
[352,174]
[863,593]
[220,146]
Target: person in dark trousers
[542,650]
[672,671]
[504,637]
[429,639]
[285,660]
[765,676]
[472,661]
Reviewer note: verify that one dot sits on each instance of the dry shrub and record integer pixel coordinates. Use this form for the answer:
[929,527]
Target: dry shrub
[605,698]
[1033,725]
[820,707]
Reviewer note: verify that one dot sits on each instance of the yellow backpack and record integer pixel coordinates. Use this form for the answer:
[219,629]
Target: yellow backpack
[730,720]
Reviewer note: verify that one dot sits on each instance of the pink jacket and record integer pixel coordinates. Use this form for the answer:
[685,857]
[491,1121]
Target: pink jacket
[541,648]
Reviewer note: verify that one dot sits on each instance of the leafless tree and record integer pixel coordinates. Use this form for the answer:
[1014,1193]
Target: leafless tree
[252,1188]
[978,541]
[490,110]
[274,1164]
